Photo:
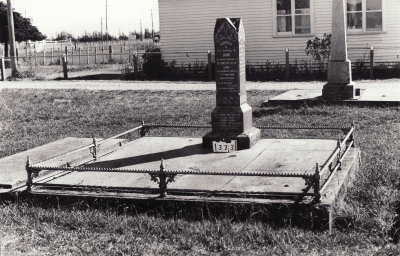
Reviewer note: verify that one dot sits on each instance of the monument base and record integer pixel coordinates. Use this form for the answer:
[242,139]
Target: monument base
[338,91]
[245,140]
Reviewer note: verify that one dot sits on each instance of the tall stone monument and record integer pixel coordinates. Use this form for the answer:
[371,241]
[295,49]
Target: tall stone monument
[339,86]
[232,117]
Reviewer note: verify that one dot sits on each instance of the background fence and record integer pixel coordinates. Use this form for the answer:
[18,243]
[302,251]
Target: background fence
[143,62]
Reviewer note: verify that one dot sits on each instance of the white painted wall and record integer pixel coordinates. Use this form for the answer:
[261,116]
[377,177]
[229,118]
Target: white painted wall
[188,26]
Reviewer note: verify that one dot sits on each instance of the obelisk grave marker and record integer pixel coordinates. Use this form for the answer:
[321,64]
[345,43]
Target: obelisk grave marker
[232,117]
[340,85]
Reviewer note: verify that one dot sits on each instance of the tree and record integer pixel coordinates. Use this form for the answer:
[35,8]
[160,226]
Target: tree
[23,28]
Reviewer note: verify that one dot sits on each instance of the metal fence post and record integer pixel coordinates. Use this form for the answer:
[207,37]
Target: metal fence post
[209,66]
[135,66]
[44,57]
[17,53]
[72,53]
[371,63]
[95,55]
[65,69]
[66,50]
[129,54]
[87,54]
[35,56]
[287,64]
[2,69]
[79,58]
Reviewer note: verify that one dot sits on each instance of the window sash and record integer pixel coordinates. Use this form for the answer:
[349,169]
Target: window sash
[297,17]
[371,19]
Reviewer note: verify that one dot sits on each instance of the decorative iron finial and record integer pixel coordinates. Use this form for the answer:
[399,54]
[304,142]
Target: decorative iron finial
[162,166]
[28,163]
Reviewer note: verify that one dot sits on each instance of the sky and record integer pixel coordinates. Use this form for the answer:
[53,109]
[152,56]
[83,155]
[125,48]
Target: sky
[78,16]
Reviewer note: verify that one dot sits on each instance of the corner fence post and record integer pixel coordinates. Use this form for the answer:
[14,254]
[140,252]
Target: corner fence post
[29,173]
[65,69]
[317,181]
[3,78]
[209,66]
[287,64]
[371,63]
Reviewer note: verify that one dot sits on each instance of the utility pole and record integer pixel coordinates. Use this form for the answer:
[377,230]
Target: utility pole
[141,32]
[152,28]
[106,23]
[11,36]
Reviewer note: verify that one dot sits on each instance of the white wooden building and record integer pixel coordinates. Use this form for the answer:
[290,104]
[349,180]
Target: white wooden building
[273,25]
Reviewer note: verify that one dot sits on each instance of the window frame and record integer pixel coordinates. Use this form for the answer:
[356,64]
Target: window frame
[293,15]
[364,12]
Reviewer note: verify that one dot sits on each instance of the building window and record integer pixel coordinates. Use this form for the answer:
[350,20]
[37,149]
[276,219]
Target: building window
[364,15]
[293,17]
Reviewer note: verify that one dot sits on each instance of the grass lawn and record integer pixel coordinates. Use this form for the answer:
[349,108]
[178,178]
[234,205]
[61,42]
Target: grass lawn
[367,221]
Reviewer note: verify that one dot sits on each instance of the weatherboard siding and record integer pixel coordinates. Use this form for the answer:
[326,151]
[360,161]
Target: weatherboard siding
[187,26]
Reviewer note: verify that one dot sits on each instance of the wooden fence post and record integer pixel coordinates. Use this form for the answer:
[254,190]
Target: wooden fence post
[209,66]
[102,52]
[2,69]
[110,53]
[287,64]
[65,68]
[135,66]
[371,63]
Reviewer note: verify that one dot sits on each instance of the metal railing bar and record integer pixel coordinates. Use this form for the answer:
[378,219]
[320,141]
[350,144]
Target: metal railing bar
[98,169]
[336,168]
[89,146]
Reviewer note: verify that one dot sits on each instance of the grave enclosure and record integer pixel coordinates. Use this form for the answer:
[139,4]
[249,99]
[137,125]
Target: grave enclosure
[266,172]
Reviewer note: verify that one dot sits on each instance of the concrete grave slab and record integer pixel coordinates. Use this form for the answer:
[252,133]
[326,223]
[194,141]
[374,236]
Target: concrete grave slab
[369,96]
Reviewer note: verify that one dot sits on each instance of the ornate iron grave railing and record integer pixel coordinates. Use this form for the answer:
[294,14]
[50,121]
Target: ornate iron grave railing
[318,181]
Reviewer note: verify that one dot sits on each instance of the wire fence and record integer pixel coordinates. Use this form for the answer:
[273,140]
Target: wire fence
[140,63]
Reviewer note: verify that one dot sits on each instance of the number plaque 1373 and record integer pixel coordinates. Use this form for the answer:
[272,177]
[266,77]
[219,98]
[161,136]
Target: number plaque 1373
[224,146]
